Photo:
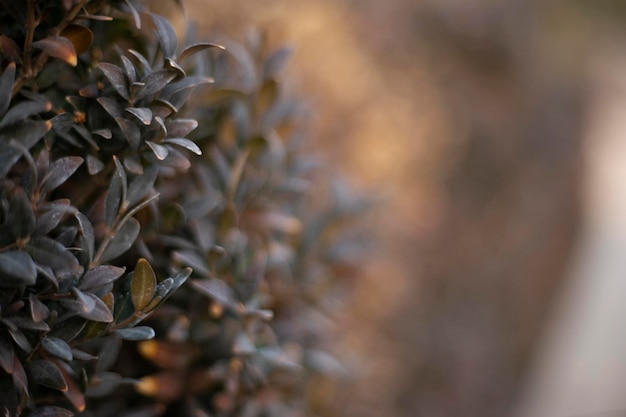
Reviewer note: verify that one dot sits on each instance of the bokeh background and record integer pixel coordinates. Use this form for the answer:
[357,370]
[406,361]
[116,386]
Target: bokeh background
[493,135]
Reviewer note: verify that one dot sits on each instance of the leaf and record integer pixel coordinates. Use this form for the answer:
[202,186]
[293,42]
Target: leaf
[86,229]
[100,313]
[134,13]
[86,303]
[131,131]
[276,62]
[116,77]
[94,165]
[21,217]
[51,411]
[17,268]
[57,347]
[136,333]
[26,323]
[60,170]
[142,60]
[10,50]
[20,379]
[38,310]
[20,340]
[24,110]
[27,133]
[129,68]
[6,353]
[179,128]
[155,82]
[197,47]
[46,373]
[215,289]
[143,284]
[100,276]
[111,106]
[103,133]
[50,216]
[58,47]
[69,330]
[123,240]
[185,83]
[6,87]
[166,35]
[80,36]
[160,151]
[185,143]
[143,114]
[48,252]
[115,195]
[140,186]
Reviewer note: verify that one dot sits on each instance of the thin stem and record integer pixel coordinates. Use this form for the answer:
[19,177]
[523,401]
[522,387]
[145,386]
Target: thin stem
[32,70]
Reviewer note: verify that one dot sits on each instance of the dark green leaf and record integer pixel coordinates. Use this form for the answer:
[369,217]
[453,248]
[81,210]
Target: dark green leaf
[114,197]
[27,133]
[130,130]
[146,67]
[58,47]
[50,216]
[6,352]
[116,77]
[143,284]
[46,373]
[23,111]
[134,13]
[216,289]
[27,323]
[179,128]
[20,340]
[21,216]
[123,240]
[185,143]
[60,170]
[69,329]
[197,47]
[103,133]
[86,230]
[92,307]
[62,123]
[160,151]
[6,87]
[8,157]
[94,165]
[136,333]
[155,83]
[38,310]
[143,114]
[173,65]
[48,252]
[100,276]
[57,347]
[86,304]
[82,356]
[20,379]
[185,83]
[140,186]
[17,267]
[51,411]
[129,68]
[111,106]
[166,35]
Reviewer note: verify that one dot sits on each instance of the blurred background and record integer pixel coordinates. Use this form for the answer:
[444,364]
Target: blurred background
[494,132]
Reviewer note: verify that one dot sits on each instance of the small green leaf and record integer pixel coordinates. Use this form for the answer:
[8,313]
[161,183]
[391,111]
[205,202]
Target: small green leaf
[136,333]
[46,373]
[143,284]
[57,347]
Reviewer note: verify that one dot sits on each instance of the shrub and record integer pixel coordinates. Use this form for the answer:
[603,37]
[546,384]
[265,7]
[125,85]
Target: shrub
[161,249]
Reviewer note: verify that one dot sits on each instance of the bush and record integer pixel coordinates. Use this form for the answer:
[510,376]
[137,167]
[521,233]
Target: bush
[161,249]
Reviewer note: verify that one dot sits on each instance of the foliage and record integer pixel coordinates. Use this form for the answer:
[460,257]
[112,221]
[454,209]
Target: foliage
[157,232]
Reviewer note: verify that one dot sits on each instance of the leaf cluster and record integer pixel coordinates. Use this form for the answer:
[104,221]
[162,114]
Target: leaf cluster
[152,237]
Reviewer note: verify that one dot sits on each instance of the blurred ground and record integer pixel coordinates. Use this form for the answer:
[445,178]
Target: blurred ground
[469,117]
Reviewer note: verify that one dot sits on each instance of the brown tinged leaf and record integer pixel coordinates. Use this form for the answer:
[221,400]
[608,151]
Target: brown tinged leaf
[46,373]
[80,36]
[143,284]
[58,47]
[10,50]
[166,386]
[6,87]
